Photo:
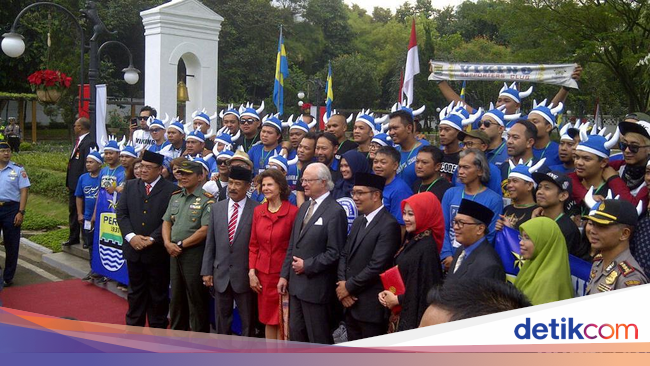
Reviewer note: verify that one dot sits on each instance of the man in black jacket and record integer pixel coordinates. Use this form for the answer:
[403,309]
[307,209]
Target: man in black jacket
[140,213]
[309,269]
[374,238]
[77,167]
[475,258]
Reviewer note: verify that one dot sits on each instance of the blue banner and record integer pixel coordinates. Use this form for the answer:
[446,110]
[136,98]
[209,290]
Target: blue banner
[108,259]
[507,246]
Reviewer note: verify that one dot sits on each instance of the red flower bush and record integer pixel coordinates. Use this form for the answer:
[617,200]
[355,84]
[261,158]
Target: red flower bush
[49,79]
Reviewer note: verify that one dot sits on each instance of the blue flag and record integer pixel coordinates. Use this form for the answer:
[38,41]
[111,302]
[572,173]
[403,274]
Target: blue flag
[108,258]
[507,246]
[329,92]
[281,73]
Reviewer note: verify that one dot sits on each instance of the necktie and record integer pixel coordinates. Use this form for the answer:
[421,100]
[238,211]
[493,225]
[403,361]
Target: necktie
[310,212]
[232,224]
[148,188]
[461,257]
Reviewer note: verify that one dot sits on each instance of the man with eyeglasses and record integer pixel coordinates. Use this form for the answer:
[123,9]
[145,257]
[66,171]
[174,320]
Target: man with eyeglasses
[202,122]
[157,131]
[473,173]
[635,145]
[478,139]
[139,133]
[249,124]
[475,258]
[140,216]
[372,243]
[493,123]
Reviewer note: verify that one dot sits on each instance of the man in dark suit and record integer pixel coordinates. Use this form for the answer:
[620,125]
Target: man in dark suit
[77,167]
[309,269]
[475,258]
[225,259]
[139,212]
[374,238]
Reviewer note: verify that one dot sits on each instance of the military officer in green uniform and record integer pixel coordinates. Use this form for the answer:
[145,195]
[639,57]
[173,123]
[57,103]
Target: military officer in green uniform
[610,224]
[184,230]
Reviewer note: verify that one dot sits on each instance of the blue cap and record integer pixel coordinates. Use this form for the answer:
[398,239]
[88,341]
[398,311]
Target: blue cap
[112,145]
[273,121]
[223,138]
[382,139]
[196,135]
[203,117]
[281,161]
[129,151]
[177,126]
[549,114]
[250,112]
[300,125]
[95,155]
[225,154]
[157,123]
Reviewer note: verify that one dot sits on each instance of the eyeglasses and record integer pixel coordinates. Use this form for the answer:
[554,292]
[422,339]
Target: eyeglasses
[359,193]
[487,124]
[462,224]
[308,181]
[142,118]
[633,148]
[155,130]
[248,121]
[222,162]
[469,144]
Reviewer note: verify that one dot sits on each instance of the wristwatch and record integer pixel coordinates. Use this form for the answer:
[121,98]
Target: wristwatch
[22,212]
[180,244]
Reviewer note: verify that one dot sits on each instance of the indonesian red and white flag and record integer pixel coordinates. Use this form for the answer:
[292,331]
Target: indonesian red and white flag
[412,67]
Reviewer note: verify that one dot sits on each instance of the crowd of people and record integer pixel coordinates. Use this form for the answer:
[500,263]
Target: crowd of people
[382,233]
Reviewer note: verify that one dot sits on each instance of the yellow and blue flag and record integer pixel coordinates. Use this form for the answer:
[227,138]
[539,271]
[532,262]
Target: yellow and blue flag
[329,91]
[462,90]
[281,73]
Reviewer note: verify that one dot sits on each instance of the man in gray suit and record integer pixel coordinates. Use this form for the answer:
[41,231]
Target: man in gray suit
[309,270]
[225,260]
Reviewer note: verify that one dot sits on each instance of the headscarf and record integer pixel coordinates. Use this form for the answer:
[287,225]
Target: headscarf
[428,215]
[358,164]
[546,276]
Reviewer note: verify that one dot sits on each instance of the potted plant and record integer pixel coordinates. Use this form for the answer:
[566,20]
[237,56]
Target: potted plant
[49,84]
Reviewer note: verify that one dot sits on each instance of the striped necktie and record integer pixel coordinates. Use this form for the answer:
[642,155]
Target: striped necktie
[232,224]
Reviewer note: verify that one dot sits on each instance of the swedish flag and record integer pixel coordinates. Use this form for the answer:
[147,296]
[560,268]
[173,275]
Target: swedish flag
[281,73]
[462,90]
[329,92]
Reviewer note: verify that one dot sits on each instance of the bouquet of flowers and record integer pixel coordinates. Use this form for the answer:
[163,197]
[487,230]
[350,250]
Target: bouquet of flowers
[49,79]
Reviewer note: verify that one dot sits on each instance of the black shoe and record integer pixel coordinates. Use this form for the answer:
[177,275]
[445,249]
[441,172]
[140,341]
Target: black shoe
[69,243]
[9,283]
[88,277]
[102,280]
[86,246]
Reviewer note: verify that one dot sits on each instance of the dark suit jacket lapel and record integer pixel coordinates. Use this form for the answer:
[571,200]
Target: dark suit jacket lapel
[468,261]
[354,232]
[317,214]
[364,232]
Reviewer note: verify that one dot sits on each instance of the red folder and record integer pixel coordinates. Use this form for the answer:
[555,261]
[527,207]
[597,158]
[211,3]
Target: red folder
[392,281]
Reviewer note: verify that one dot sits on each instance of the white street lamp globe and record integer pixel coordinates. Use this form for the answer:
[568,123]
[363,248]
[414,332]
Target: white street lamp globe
[131,75]
[300,103]
[301,95]
[13,44]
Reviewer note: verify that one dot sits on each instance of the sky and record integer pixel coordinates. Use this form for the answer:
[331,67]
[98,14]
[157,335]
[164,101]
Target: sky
[394,4]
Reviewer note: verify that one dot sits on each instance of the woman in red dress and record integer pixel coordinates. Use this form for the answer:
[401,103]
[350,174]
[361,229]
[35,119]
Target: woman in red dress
[272,222]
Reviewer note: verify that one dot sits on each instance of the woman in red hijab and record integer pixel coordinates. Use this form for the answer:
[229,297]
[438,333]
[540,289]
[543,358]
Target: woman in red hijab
[418,259]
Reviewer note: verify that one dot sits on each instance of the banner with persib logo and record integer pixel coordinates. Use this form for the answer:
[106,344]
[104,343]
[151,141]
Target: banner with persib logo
[350,210]
[559,74]
[507,246]
[108,259]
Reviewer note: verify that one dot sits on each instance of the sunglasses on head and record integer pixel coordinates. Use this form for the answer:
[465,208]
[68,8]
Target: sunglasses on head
[633,148]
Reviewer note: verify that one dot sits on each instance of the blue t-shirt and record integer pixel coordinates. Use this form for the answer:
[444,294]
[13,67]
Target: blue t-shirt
[87,188]
[260,158]
[112,177]
[499,155]
[550,153]
[494,183]
[394,193]
[156,148]
[406,169]
[561,169]
[450,204]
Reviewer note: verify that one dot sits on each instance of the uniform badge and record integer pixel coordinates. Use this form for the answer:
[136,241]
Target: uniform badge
[611,278]
[611,266]
[604,288]
[23,174]
[626,269]
[601,207]
[593,273]
[632,283]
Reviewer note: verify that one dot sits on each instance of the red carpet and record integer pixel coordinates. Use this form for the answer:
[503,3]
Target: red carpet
[71,299]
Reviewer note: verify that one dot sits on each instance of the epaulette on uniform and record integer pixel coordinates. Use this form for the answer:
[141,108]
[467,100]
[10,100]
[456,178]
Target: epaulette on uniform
[625,268]
[177,192]
[207,194]
[598,257]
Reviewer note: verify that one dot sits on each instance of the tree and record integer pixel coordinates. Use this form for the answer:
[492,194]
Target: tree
[381,15]
[331,16]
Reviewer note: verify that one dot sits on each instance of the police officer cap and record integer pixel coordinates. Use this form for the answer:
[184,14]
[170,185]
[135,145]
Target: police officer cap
[609,212]
[369,180]
[153,157]
[475,210]
[240,173]
[190,167]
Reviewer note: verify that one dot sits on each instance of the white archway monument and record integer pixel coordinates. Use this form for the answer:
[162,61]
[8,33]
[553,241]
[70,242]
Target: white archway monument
[184,29]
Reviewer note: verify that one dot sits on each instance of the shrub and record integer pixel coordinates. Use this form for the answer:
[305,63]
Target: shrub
[26,146]
[39,222]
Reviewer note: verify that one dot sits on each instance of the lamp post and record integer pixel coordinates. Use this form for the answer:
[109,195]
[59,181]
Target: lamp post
[14,46]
